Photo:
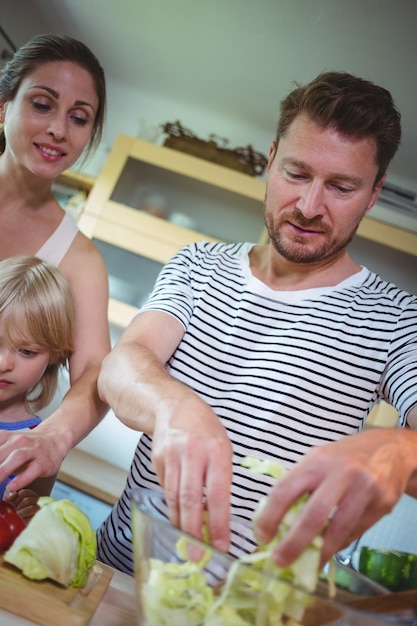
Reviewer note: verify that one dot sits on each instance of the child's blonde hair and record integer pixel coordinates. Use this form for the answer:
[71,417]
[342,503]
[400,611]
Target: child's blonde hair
[37,307]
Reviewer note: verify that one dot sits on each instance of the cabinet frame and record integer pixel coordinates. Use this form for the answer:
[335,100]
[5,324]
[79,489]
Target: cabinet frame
[139,232]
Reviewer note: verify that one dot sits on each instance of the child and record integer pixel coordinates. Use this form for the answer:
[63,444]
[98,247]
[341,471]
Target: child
[37,321]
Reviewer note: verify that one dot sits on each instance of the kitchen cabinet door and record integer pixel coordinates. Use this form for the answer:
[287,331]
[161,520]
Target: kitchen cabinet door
[149,200]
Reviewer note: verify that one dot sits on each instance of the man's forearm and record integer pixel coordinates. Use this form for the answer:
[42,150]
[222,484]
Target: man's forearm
[137,386]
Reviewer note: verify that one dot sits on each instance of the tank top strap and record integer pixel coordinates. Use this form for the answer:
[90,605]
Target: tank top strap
[55,248]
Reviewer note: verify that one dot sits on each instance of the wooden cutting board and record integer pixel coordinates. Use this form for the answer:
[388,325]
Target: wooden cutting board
[47,603]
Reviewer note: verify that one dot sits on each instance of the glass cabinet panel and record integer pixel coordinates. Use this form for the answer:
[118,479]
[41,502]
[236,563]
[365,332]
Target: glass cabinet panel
[131,276]
[187,202]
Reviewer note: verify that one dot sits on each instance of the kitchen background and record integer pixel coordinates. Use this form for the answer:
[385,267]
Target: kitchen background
[221,68]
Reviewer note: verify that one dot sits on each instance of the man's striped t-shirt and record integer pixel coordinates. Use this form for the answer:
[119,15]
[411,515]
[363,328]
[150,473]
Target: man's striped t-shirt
[283,370]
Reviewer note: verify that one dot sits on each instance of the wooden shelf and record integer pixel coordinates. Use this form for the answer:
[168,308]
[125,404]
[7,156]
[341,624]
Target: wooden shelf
[388,235]
[74,179]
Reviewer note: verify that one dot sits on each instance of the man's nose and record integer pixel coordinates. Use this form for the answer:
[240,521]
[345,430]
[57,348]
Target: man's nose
[311,201]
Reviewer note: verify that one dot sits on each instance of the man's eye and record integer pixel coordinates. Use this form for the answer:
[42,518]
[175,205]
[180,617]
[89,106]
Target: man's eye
[342,189]
[295,175]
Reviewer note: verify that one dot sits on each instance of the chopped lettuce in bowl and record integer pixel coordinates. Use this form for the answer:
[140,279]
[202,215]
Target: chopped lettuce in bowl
[184,582]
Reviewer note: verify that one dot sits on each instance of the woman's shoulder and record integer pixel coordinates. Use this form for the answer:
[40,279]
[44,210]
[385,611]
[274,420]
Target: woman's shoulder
[82,254]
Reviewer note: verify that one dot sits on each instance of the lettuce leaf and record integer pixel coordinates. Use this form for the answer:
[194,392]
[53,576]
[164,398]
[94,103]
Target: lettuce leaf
[58,543]
[256,592]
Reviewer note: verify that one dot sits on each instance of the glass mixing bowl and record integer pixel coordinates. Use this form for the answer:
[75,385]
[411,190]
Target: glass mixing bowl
[181,581]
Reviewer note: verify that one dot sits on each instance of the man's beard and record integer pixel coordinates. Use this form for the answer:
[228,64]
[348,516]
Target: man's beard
[298,250]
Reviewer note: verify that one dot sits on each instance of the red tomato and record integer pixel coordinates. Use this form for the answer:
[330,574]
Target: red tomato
[6,508]
[11,525]
[6,538]
[15,523]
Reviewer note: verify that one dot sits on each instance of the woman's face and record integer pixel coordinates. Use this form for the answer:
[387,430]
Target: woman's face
[51,119]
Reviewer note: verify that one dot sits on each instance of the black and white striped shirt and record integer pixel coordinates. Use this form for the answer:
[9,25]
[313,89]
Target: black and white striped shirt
[283,370]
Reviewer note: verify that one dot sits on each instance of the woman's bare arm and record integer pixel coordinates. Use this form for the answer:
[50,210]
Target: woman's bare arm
[40,452]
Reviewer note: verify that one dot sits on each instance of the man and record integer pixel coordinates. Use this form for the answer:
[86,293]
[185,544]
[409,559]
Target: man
[279,350]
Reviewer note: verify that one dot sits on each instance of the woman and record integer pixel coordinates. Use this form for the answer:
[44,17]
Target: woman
[52,105]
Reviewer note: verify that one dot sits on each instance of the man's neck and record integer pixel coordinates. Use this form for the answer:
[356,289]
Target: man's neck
[279,274]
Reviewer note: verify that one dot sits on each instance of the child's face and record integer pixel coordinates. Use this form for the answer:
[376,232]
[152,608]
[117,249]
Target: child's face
[21,366]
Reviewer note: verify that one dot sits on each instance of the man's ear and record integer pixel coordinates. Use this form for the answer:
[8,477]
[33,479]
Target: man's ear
[272,153]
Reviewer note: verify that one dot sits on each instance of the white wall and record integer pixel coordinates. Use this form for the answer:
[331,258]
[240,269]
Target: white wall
[142,115]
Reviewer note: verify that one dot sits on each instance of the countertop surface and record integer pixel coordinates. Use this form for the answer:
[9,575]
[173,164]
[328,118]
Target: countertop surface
[92,475]
[117,608]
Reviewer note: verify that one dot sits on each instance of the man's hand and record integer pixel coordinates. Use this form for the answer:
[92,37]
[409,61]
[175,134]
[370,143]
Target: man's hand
[352,483]
[191,451]
[192,456]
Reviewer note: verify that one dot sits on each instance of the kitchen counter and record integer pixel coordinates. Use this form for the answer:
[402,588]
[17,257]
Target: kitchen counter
[117,608]
[92,475]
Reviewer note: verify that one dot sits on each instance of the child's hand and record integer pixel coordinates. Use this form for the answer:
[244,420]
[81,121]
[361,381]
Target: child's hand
[24,501]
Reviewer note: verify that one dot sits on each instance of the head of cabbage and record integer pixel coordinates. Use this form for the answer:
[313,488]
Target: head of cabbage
[58,543]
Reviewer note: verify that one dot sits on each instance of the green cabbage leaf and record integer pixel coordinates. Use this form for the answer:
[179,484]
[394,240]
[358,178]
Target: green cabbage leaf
[58,543]
[256,592]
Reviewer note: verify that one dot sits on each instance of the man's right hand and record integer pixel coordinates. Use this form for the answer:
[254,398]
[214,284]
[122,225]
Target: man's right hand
[192,456]
[192,453]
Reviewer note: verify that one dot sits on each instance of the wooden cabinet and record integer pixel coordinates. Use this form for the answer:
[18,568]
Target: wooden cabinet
[218,202]
[76,180]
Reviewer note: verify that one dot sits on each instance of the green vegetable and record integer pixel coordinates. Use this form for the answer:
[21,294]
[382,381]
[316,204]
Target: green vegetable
[176,594]
[58,543]
[256,592]
[264,466]
[394,570]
